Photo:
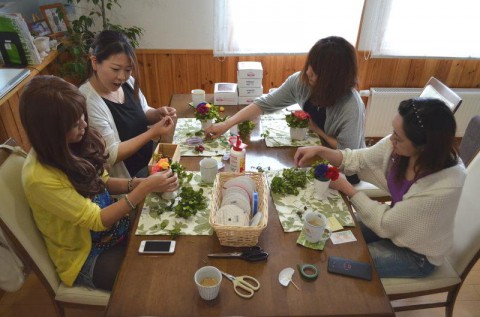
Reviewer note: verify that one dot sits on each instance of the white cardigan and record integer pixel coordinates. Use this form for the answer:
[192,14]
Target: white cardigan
[101,119]
[423,221]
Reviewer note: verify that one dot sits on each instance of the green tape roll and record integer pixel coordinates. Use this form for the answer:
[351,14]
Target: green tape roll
[304,267]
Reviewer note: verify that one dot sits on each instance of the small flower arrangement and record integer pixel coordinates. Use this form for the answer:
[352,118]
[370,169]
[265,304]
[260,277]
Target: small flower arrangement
[206,111]
[297,119]
[325,172]
[161,165]
[245,128]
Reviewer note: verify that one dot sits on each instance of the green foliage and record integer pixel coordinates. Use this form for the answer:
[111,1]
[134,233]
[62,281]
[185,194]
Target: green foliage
[73,63]
[190,202]
[245,128]
[289,182]
[182,174]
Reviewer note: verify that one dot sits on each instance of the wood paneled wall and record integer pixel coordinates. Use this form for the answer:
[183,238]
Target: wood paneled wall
[166,72]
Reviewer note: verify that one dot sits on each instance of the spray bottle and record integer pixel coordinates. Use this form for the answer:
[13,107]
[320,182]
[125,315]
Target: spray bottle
[237,154]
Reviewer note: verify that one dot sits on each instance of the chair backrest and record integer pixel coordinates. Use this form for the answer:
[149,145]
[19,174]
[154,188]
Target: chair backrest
[466,245]
[470,144]
[436,89]
[16,218]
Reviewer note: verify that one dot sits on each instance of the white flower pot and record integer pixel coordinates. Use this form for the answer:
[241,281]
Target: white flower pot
[206,123]
[320,190]
[298,133]
[169,195]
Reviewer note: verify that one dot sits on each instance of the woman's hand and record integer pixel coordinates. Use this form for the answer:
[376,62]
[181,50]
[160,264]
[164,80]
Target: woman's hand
[216,130]
[304,155]
[162,127]
[163,181]
[167,112]
[342,185]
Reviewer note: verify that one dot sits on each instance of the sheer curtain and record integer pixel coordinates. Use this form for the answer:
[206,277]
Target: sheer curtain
[259,27]
[426,28]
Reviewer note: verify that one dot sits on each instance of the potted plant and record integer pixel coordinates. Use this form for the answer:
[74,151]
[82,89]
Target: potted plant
[245,128]
[72,61]
[298,123]
[206,113]
[323,173]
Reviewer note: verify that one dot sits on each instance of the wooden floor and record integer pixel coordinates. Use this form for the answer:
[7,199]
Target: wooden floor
[32,300]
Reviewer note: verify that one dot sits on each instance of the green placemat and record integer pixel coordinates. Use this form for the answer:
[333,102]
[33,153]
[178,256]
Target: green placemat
[186,128]
[289,206]
[156,220]
[279,135]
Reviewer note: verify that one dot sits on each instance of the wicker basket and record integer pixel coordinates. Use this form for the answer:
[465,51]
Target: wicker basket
[239,236]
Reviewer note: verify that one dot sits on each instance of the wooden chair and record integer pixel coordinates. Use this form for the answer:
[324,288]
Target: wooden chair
[17,222]
[436,89]
[470,144]
[449,277]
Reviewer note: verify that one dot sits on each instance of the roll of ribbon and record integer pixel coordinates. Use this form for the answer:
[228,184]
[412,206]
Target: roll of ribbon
[308,271]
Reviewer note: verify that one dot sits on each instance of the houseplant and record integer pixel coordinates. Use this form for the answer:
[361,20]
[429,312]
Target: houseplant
[245,128]
[206,113]
[323,173]
[298,123]
[73,57]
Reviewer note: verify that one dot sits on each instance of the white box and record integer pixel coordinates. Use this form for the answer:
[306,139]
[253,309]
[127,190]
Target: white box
[249,70]
[249,82]
[251,91]
[246,100]
[225,94]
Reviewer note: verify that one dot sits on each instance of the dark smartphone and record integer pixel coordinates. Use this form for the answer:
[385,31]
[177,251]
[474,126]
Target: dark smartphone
[349,267]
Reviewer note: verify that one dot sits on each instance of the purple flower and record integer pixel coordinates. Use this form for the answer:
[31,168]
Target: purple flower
[202,108]
[320,171]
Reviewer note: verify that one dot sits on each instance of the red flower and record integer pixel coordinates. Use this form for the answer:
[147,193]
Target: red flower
[332,173]
[202,108]
[302,115]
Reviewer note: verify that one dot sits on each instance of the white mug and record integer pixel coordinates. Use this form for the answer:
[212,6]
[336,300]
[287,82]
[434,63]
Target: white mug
[198,96]
[208,169]
[208,280]
[314,227]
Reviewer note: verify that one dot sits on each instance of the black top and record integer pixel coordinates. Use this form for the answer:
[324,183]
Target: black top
[318,114]
[131,122]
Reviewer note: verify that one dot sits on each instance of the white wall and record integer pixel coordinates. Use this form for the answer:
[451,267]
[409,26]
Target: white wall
[169,24]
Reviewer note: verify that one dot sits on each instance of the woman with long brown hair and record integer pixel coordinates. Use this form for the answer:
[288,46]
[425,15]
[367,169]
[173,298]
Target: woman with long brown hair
[68,187]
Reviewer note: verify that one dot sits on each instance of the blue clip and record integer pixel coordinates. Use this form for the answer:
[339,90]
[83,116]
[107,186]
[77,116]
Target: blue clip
[255,203]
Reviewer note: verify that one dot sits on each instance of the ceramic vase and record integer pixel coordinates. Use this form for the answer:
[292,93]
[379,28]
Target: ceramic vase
[169,195]
[206,123]
[298,133]
[320,190]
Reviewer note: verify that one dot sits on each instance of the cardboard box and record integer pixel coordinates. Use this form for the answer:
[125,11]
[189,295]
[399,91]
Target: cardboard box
[249,82]
[246,100]
[225,94]
[250,91]
[169,150]
[249,70]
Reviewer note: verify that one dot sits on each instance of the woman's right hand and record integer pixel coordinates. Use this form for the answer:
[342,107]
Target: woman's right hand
[304,155]
[216,130]
[163,181]
[162,127]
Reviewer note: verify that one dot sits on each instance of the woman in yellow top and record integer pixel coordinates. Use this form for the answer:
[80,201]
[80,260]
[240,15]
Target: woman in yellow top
[68,188]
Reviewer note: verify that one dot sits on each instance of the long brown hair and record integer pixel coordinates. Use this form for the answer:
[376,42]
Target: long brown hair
[49,108]
[430,125]
[111,42]
[334,61]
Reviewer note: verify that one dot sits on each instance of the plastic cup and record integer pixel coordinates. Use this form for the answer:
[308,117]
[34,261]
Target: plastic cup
[208,280]
[198,96]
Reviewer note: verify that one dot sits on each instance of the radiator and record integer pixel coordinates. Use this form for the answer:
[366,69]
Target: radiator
[383,104]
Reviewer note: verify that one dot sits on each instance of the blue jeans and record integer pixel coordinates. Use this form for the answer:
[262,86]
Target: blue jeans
[85,277]
[393,261]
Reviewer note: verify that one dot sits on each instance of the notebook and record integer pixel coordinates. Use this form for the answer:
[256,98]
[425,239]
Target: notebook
[11,77]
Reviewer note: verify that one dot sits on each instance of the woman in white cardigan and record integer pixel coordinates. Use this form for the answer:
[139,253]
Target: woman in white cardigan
[118,109]
[418,166]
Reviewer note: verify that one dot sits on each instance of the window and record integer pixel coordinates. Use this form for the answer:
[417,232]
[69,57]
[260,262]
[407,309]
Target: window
[426,28]
[258,27]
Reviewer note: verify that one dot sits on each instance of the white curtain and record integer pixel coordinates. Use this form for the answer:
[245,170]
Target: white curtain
[421,28]
[259,27]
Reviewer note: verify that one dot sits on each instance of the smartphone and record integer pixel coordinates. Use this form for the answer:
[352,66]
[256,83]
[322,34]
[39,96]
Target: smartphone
[349,267]
[157,247]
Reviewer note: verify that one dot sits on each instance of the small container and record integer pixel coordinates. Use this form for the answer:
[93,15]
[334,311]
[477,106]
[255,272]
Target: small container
[237,154]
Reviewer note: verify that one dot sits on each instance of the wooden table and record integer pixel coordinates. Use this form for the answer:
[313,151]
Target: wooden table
[163,285]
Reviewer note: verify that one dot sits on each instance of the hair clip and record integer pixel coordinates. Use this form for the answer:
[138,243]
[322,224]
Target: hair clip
[419,120]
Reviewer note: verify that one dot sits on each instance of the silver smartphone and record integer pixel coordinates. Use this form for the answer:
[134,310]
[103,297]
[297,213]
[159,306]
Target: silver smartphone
[157,247]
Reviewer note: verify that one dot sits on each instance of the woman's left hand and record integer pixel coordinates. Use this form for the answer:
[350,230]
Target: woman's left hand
[342,185]
[166,111]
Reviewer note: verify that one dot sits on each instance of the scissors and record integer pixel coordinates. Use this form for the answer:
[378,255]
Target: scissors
[242,285]
[252,254]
